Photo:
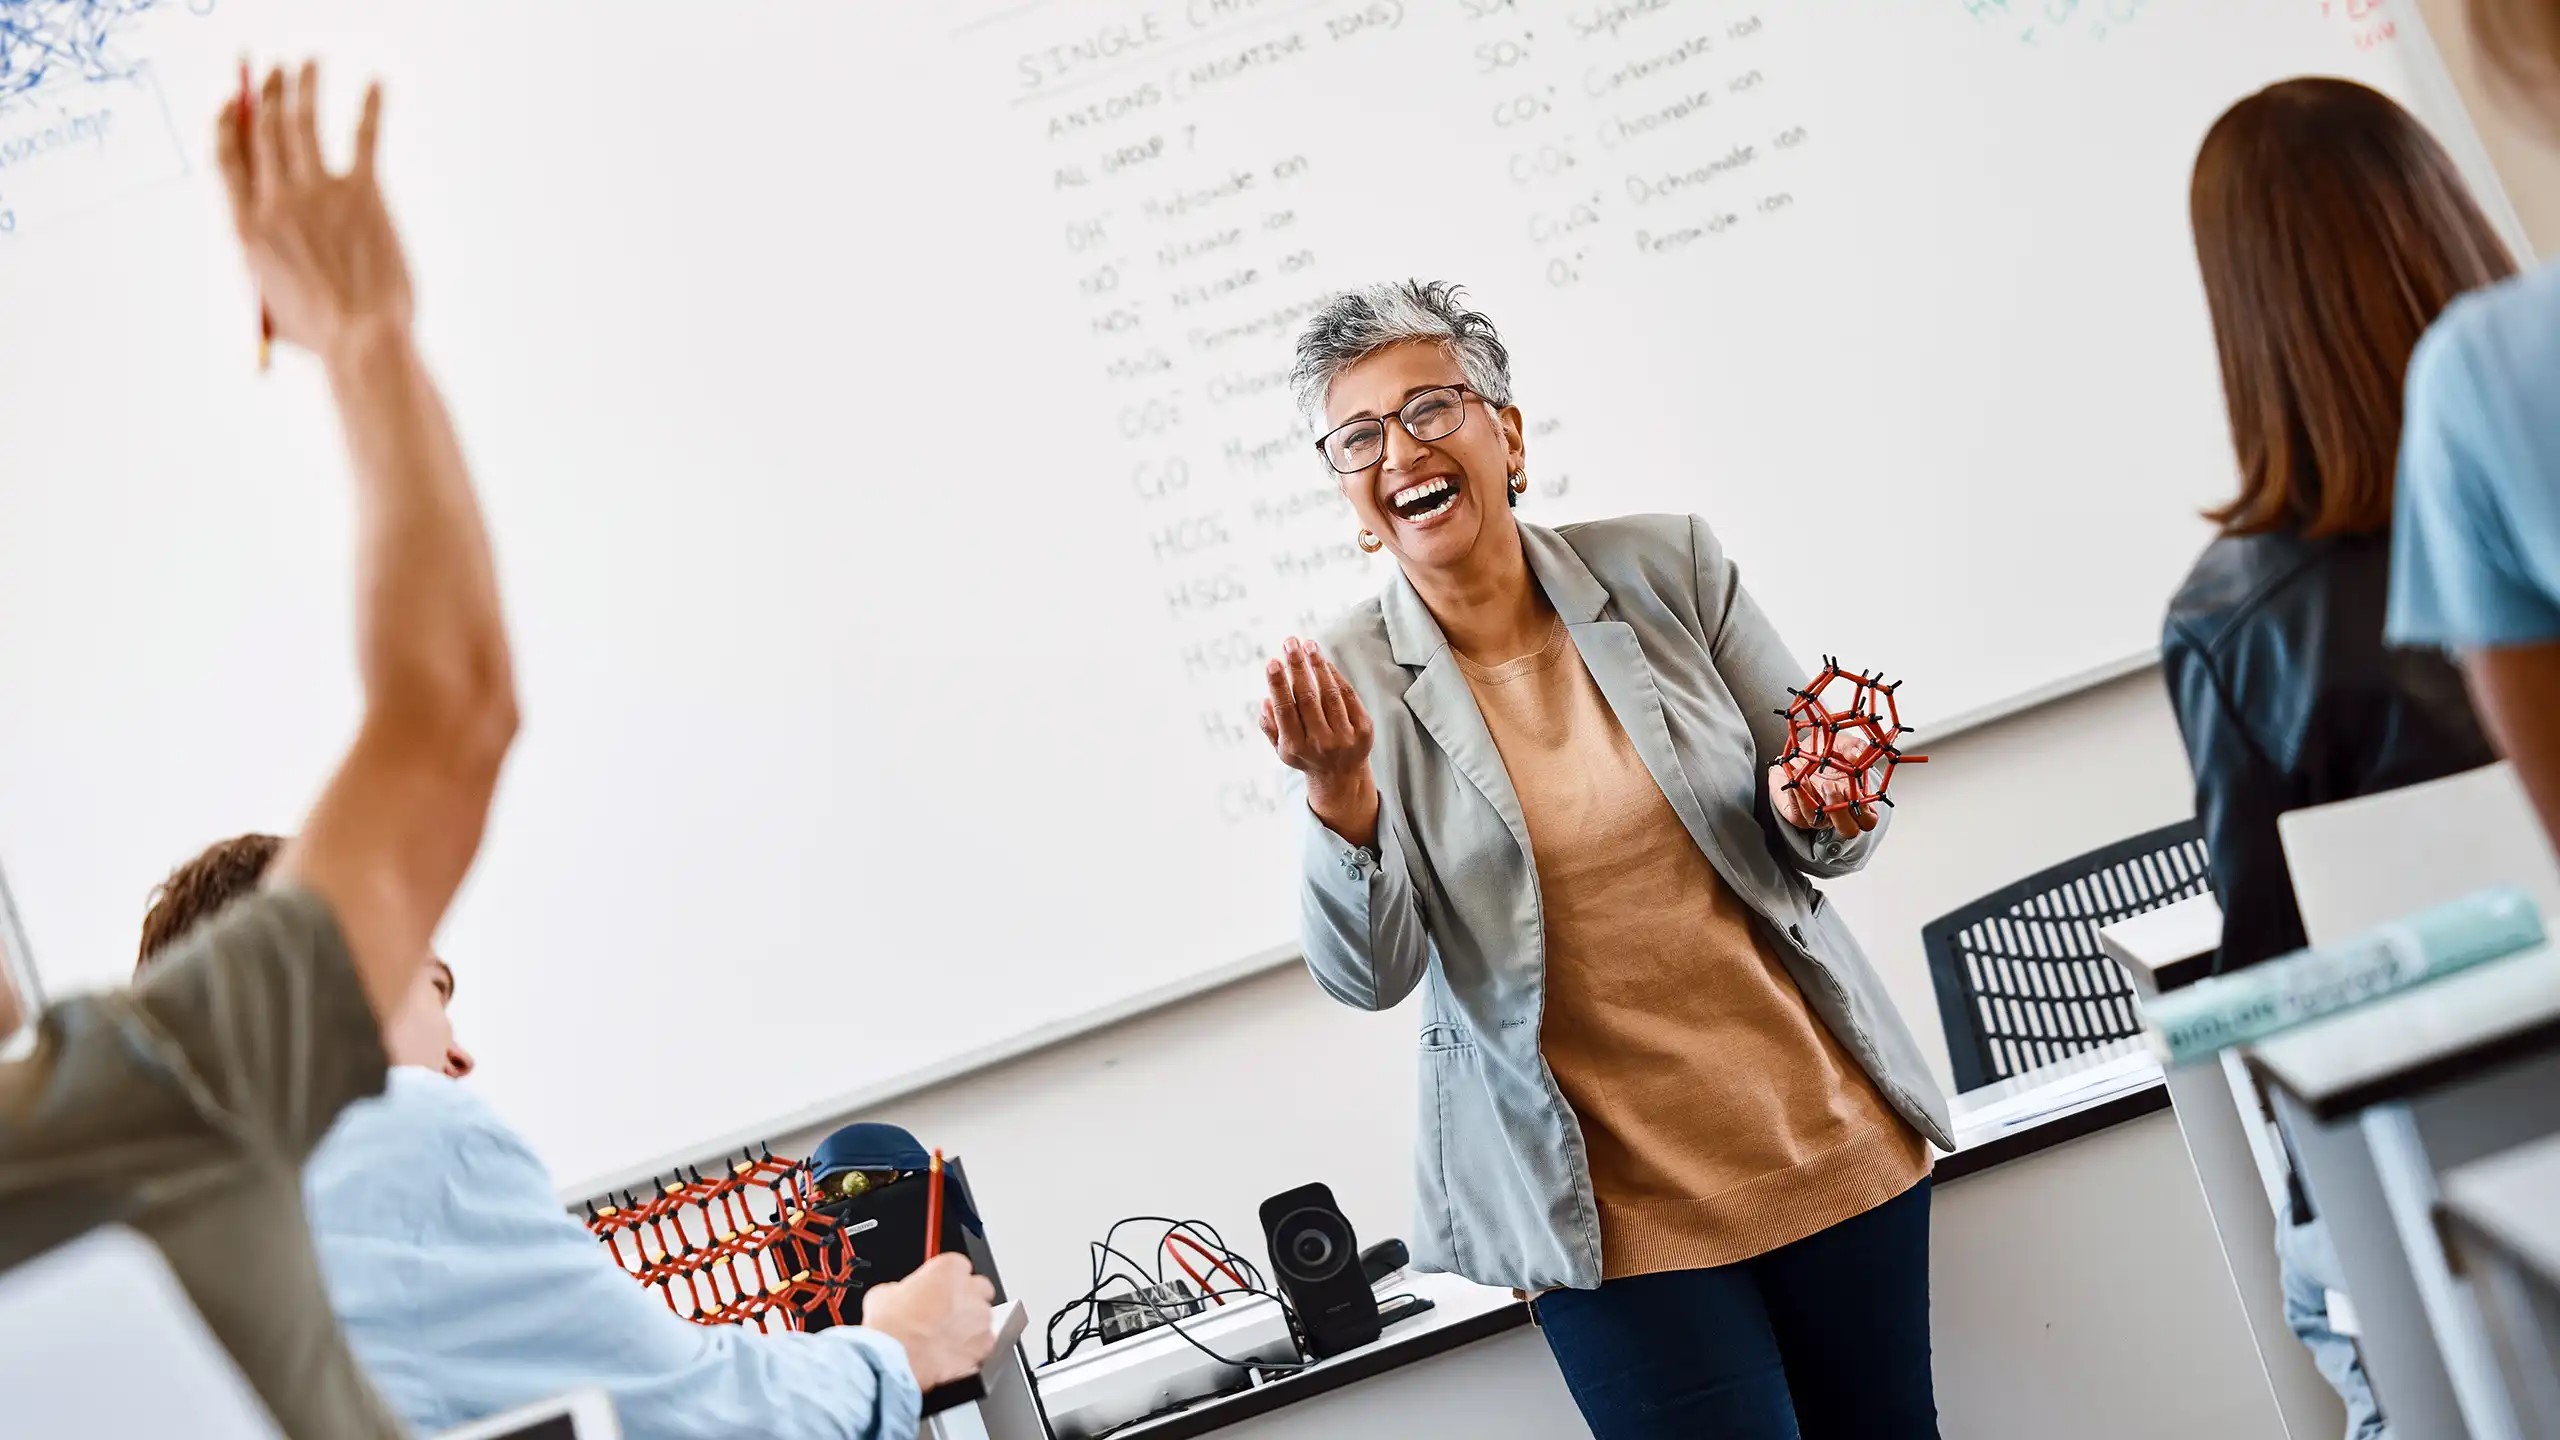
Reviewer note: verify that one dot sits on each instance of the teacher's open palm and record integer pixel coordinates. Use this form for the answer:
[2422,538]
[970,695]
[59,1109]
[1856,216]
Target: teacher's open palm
[1313,717]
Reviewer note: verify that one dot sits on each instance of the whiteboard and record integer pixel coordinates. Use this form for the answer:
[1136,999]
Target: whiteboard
[878,408]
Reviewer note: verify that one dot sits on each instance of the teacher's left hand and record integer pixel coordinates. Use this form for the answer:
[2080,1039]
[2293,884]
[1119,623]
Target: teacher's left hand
[1821,801]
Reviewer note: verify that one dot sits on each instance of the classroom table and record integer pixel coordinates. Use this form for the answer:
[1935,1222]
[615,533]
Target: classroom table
[2502,1216]
[2379,1101]
[2239,1166]
[2072,1267]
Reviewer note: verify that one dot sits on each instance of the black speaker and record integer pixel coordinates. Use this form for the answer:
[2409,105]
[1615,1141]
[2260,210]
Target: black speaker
[1318,1261]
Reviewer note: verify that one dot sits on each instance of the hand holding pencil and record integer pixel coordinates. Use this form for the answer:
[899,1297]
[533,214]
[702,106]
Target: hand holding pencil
[320,244]
[944,1314]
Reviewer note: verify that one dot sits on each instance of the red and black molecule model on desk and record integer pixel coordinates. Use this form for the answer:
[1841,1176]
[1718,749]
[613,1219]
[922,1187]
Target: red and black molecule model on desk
[1852,737]
[745,1248]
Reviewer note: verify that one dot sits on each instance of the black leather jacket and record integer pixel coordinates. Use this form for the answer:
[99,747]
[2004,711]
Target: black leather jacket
[2288,697]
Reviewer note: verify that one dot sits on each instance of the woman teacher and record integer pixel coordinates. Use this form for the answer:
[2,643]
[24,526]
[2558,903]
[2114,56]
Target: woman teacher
[1661,1087]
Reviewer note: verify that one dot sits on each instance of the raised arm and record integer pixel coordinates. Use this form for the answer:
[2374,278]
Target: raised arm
[395,830]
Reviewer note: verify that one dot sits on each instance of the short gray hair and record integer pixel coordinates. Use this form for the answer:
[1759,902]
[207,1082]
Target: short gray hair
[1356,324]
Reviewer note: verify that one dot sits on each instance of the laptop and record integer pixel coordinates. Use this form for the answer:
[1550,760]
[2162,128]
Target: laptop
[578,1415]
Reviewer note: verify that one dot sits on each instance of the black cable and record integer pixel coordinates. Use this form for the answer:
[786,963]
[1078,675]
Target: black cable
[1139,1276]
[1174,1324]
[1097,1282]
[1202,1230]
[1107,1248]
[1075,1337]
[1202,1227]
[1083,1331]
[1171,1320]
[1238,1289]
[1198,1401]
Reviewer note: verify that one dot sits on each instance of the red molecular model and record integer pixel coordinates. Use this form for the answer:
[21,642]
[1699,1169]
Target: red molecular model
[1852,737]
[717,1248]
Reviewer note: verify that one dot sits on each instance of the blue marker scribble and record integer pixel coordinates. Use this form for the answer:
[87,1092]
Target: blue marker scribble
[44,40]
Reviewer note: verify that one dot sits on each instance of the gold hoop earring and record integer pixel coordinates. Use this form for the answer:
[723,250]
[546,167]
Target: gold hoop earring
[1371,544]
[1519,482]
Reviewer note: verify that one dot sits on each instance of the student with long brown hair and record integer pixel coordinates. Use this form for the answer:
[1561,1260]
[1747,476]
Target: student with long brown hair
[2331,230]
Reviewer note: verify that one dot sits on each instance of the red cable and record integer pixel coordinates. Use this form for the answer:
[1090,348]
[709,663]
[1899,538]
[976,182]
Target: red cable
[1201,1285]
[1214,1263]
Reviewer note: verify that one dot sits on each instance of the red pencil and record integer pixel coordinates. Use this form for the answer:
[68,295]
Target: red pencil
[933,1208]
[248,111]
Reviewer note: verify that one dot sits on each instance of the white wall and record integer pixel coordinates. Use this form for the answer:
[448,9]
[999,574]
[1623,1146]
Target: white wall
[1204,1108]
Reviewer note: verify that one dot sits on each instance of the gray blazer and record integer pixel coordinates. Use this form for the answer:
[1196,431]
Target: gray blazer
[1448,897]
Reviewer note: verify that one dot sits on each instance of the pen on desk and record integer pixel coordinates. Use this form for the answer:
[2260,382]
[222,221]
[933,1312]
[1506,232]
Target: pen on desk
[266,317]
[933,1208]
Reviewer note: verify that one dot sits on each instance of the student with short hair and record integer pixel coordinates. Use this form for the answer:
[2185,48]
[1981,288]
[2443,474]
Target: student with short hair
[467,1290]
[417,1035]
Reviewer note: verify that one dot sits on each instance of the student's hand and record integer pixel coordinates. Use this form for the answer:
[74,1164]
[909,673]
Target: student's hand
[1807,805]
[944,1314]
[1314,719]
[321,246]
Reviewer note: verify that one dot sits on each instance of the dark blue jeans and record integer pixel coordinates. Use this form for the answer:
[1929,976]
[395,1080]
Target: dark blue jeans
[1825,1339]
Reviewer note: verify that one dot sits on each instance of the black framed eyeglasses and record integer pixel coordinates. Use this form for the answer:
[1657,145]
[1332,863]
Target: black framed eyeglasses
[1431,415]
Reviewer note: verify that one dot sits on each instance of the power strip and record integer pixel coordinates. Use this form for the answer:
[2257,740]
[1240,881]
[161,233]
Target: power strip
[1121,1316]
[1096,1391]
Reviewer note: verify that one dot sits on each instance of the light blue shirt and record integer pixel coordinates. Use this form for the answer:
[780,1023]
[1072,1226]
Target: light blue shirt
[467,1289]
[2475,559]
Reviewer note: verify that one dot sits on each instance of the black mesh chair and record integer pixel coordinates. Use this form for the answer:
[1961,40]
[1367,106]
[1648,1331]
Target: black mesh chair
[2021,981]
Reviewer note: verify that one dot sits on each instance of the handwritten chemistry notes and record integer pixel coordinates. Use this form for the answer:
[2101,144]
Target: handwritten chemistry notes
[82,120]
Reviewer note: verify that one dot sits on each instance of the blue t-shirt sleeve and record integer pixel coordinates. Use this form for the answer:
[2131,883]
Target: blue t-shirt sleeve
[2461,567]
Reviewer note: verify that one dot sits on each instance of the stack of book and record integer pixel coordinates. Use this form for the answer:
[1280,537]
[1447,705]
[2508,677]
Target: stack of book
[2213,1015]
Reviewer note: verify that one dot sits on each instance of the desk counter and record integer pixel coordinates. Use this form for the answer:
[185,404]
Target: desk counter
[1995,1126]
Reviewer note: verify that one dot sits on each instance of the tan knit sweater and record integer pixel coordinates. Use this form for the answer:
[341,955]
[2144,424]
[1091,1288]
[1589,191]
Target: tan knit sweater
[1721,1117]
